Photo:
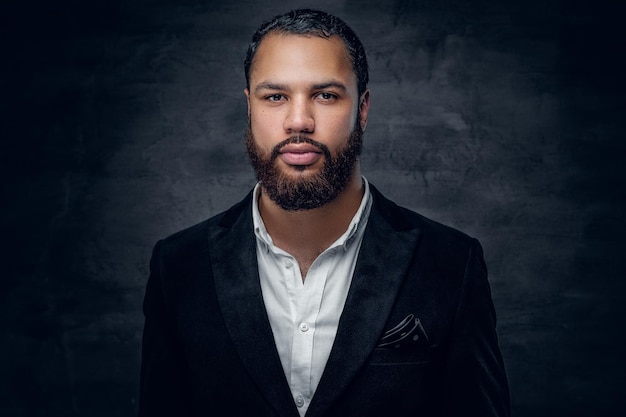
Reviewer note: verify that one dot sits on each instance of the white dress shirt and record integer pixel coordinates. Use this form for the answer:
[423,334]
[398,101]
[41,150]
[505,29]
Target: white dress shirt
[304,315]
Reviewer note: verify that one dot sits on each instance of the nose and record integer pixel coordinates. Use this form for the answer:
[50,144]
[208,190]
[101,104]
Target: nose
[299,118]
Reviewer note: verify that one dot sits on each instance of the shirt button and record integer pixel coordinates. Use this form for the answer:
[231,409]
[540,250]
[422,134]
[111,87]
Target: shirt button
[299,401]
[288,263]
[304,327]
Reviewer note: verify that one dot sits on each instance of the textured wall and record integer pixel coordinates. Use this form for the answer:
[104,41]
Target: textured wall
[122,122]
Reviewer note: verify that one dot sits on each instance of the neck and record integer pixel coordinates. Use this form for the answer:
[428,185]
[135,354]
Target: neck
[307,233]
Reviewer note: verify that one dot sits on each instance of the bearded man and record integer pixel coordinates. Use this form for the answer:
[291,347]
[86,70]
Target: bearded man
[315,295]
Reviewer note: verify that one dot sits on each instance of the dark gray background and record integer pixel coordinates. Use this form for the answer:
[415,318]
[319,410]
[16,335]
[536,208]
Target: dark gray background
[123,122]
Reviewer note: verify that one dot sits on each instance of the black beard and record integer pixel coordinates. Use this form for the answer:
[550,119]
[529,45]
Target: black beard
[305,193]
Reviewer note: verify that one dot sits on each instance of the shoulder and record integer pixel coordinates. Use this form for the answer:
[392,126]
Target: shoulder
[445,246]
[194,240]
[402,218]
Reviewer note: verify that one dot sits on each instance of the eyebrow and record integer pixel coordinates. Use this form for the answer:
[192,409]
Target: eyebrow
[269,86]
[328,84]
[280,87]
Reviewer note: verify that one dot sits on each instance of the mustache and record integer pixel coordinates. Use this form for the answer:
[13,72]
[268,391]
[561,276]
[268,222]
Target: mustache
[299,139]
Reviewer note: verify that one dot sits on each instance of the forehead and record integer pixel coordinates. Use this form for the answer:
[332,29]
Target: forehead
[300,56]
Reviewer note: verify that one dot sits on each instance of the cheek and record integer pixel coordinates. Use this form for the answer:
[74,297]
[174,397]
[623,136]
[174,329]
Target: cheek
[263,121]
[340,118]
[341,127]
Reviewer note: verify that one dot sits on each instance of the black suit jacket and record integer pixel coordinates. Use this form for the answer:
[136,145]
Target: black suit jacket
[416,337]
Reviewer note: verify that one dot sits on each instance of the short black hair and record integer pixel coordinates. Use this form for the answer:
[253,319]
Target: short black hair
[310,22]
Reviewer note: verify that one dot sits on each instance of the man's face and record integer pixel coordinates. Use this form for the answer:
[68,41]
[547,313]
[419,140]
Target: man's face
[305,119]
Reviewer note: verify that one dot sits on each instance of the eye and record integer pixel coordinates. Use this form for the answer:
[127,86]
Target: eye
[275,98]
[324,96]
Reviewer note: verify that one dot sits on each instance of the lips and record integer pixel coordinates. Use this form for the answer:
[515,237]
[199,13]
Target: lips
[300,154]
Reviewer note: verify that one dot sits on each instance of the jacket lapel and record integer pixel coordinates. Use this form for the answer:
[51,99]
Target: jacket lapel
[387,249]
[233,256]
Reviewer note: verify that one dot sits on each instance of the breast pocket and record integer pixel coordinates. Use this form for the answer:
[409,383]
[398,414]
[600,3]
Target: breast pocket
[404,355]
[396,382]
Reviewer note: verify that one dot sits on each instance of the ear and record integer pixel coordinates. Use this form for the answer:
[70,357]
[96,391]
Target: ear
[364,107]
[247,93]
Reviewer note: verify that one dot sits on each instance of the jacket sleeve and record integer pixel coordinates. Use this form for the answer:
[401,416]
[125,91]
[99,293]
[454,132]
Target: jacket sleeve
[475,382]
[164,387]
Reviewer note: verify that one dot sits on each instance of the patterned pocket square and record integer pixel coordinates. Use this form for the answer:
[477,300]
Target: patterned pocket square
[408,331]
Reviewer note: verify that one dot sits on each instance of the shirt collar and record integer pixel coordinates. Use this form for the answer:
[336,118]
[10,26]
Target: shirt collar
[357,223]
